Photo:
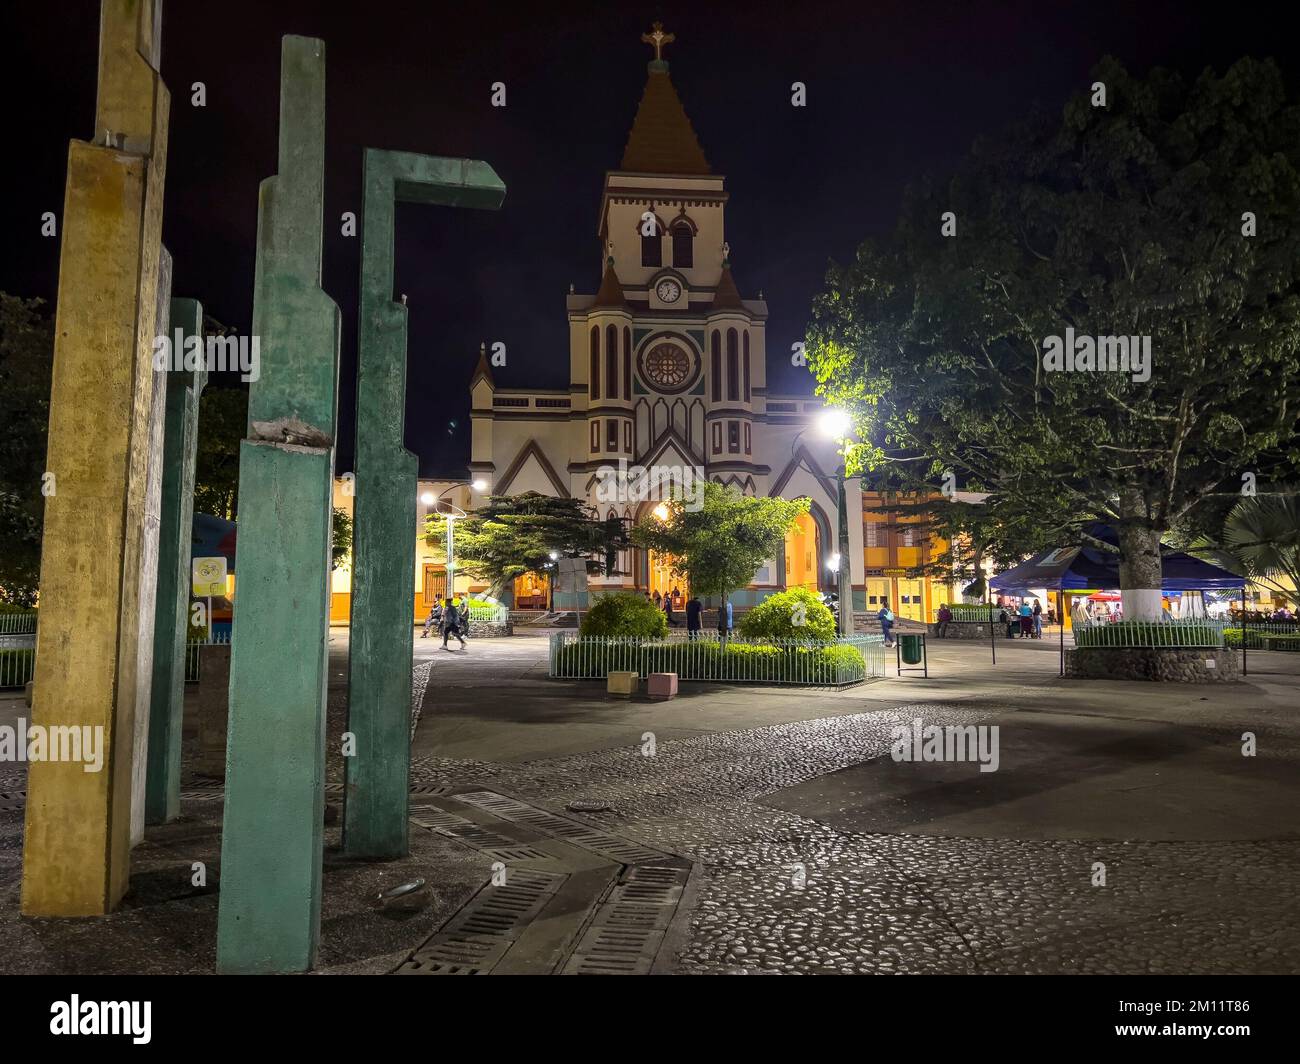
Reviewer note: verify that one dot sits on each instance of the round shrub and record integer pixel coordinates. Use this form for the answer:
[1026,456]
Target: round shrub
[625,614]
[775,617]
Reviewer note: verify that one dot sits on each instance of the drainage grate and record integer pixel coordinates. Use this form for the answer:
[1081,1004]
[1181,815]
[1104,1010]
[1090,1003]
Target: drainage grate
[481,933]
[620,850]
[13,799]
[628,929]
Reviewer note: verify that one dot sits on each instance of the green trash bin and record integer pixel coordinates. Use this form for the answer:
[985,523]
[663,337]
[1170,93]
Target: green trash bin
[910,647]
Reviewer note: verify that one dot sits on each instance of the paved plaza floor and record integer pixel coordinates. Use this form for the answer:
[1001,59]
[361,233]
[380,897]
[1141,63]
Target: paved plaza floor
[1124,831]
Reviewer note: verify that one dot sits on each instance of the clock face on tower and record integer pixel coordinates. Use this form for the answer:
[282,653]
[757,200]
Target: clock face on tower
[668,290]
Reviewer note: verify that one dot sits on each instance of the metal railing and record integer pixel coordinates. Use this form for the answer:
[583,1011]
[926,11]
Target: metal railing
[488,613]
[194,655]
[707,658]
[17,666]
[17,623]
[1171,632]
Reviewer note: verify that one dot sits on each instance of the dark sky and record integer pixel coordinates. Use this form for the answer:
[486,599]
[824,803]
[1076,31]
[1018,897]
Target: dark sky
[895,90]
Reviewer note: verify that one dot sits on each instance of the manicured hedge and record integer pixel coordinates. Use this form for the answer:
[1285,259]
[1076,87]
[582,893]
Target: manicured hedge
[1148,634]
[707,660]
[625,615]
[795,614]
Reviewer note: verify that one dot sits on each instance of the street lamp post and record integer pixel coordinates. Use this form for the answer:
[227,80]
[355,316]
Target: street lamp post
[429,499]
[836,424]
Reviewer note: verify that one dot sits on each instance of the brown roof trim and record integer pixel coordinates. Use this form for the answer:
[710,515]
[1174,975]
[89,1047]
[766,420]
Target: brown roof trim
[530,448]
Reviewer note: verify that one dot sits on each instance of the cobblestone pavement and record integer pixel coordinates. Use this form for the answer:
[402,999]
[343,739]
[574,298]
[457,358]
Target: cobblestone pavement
[882,903]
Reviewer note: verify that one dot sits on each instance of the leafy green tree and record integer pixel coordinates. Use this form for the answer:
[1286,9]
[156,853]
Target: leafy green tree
[340,537]
[719,546]
[1261,538]
[516,534]
[223,423]
[1170,212]
[26,361]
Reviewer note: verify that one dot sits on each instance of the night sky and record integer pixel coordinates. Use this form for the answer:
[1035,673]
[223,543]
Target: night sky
[895,90]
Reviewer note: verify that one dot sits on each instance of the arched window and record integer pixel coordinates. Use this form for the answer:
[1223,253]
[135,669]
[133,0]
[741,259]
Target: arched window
[627,364]
[611,362]
[683,246]
[733,367]
[745,349]
[652,246]
[595,362]
[717,366]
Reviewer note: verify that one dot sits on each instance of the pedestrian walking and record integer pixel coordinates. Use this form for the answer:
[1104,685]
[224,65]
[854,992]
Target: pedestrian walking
[451,625]
[886,618]
[433,621]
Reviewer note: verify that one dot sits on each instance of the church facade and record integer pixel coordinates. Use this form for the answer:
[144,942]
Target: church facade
[667,374]
[668,371]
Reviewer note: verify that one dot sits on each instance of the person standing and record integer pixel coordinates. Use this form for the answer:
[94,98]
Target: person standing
[886,618]
[724,620]
[668,611]
[1038,619]
[694,608]
[451,625]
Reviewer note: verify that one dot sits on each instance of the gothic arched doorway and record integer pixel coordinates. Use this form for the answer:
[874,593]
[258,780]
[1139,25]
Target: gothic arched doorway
[803,554]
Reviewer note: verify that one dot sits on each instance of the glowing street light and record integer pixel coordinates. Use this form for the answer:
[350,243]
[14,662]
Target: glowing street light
[428,498]
[835,424]
[661,511]
[479,485]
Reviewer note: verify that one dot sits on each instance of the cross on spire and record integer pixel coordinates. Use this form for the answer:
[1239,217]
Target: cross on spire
[658,38]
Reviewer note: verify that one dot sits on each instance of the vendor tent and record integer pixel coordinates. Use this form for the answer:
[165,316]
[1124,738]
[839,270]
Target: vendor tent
[1086,567]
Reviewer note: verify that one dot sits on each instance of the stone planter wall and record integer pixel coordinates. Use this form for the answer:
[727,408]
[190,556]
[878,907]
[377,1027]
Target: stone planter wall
[1160,664]
[965,630]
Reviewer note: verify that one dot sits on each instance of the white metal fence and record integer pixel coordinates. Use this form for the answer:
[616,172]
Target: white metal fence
[1188,632]
[17,623]
[708,658]
[17,666]
[194,653]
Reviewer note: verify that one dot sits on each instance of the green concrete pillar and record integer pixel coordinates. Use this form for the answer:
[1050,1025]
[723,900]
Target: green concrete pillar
[180,442]
[269,914]
[384,516]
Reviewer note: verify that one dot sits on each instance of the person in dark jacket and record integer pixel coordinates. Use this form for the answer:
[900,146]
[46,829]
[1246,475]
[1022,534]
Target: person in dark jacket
[724,620]
[668,611]
[451,624]
[694,608]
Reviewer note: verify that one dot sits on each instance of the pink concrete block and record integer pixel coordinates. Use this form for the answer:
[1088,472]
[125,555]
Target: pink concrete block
[661,685]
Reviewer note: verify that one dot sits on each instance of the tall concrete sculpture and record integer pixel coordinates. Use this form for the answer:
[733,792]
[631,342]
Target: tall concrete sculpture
[269,913]
[88,664]
[379,681]
[171,617]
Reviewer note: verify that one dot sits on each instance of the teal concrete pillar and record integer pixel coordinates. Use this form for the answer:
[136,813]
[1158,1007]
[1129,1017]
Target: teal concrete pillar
[175,532]
[269,914]
[384,509]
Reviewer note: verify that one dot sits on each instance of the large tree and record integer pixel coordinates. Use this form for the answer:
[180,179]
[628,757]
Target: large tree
[719,544]
[512,535]
[26,358]
[1167,210]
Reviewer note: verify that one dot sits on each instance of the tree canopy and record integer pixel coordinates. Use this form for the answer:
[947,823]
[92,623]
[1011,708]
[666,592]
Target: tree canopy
[26,361]
[1170,211]
[516,534]
[719,546]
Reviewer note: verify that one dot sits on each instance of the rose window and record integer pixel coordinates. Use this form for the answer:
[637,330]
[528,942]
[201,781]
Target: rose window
[667,366]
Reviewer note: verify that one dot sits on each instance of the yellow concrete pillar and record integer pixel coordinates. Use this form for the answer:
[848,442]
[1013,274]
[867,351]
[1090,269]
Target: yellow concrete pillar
[88,669]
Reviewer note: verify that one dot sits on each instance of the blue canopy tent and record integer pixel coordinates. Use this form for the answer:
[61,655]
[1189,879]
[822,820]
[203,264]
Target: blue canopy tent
[1086,567]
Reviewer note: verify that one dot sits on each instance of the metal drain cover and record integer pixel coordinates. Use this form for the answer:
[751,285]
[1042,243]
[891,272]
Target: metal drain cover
[582,805]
